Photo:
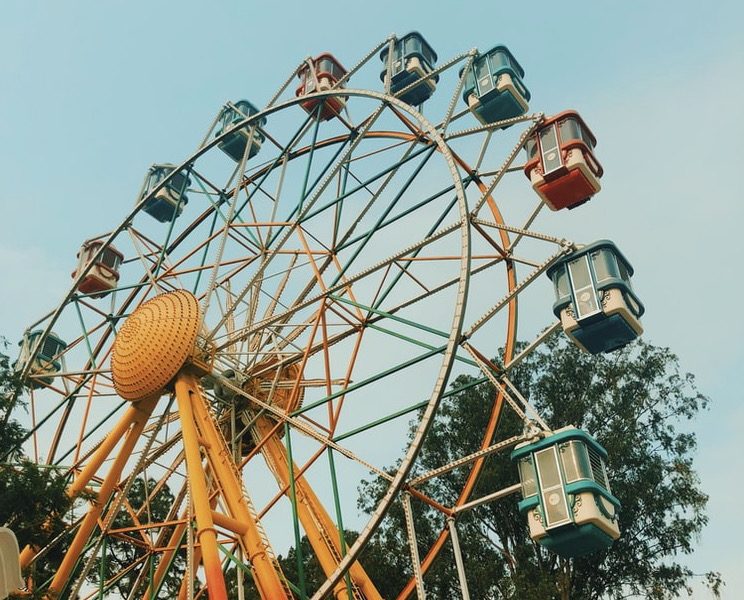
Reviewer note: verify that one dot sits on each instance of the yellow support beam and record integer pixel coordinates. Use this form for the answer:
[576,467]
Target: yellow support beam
[268,577]
[92,466]
[187,396]
[143,410]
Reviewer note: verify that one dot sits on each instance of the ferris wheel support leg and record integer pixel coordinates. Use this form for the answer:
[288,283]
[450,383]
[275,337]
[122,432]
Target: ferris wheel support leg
[92,467]
[143,411]
[320,529]
[96,460]
[187,396]
[268,576]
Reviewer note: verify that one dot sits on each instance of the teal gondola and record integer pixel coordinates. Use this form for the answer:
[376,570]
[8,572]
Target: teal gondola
[168,202]
[413,60]
[598,308]
[566,493]
[235,143]
[493,88]
[46,363]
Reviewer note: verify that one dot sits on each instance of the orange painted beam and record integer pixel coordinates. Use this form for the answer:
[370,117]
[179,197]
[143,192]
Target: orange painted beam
[92,467]
[142,410]
[268,576]
[187,395]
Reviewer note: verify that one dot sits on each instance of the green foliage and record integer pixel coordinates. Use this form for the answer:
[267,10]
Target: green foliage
[636,402]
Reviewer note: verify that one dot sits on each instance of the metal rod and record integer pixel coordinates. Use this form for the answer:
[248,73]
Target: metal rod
[339,518]
[413,543]
[507,443]
[513,489]
[295,515]
[458,559]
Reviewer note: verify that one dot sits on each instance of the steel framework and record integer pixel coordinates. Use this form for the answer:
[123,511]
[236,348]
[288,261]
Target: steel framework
[344,273]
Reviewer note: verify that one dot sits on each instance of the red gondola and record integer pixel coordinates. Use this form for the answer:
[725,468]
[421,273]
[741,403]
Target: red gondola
[320,74]
[560,161]
[103,274]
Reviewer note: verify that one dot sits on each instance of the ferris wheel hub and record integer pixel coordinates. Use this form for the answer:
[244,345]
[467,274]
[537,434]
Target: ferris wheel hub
[154,343]
[279,386]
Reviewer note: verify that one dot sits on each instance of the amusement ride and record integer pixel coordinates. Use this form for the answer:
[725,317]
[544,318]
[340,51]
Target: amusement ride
[263,324]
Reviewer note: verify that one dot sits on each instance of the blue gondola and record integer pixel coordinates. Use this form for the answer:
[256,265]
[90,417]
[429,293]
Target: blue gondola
[413,60]
[597,306]
[493,88]
[566,493]
[167,204]
[46,363]
[234,144]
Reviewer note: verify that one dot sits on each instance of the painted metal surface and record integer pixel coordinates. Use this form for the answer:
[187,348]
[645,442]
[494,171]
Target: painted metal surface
[266,322]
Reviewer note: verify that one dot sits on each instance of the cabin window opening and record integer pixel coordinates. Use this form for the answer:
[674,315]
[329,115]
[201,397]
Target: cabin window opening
[576,463]
[553,497]
[412,46]
[624,274]
[570,466]
[325,66]
[571,130]
[50,348]
[598,469]
[499,59]
[483,75]
[561,284]
[600,260]
[527,477]
[110,259]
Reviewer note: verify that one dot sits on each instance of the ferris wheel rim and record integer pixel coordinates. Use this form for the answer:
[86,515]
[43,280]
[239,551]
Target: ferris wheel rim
[462,283]
[459,312]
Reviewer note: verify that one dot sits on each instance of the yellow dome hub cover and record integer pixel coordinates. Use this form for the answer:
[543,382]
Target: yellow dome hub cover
[154,343]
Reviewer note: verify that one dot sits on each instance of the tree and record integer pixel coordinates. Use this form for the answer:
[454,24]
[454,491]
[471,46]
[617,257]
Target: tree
[33,502]
[635,402]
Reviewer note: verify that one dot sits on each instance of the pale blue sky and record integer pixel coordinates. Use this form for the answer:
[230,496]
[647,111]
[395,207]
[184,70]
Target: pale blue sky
[94,92]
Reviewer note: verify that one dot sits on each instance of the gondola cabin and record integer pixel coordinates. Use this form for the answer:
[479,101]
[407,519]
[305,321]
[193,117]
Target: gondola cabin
[46,363]
[493,88]
[103,274]
[598,308]
[412,60]
[167,204]
[560,161]
[320,74]
[247,137]
[565,493]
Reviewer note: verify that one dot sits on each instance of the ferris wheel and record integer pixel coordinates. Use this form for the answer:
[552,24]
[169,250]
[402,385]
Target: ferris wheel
[258,331]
